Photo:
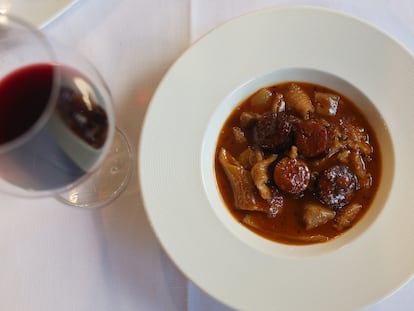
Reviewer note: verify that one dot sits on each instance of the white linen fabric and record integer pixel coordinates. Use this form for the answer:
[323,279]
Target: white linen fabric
[67,259]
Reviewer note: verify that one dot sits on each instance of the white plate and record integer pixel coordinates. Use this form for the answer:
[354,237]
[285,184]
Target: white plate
[36,12]
[235,266]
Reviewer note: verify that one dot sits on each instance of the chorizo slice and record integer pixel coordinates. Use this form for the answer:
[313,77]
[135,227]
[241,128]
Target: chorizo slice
[273,131]
[312,138]
[336,186]
[291,175]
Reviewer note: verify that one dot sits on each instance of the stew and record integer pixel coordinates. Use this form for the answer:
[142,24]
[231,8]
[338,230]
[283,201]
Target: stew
[297,163]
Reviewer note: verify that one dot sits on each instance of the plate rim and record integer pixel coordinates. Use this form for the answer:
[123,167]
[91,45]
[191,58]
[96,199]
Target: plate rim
[144,133]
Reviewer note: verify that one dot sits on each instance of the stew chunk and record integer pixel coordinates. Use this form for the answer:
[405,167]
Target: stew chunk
[273,131]
[312,138]
[291,175]
[336,186]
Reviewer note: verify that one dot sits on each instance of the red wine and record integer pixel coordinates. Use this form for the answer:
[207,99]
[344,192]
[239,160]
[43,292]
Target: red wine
[24,95]
[70,141]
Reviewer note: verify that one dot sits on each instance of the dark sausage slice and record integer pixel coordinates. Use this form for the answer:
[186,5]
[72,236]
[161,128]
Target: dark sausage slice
[336,186]
[312,138]
[291,175]
[273,131]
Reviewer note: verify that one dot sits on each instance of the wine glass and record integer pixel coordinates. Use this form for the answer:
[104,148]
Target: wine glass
[57,122]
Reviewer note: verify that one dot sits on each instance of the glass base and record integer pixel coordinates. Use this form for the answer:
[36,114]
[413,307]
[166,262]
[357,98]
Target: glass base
[107,182]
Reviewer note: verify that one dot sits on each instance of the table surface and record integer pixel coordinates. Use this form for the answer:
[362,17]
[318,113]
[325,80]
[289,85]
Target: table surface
[59,258]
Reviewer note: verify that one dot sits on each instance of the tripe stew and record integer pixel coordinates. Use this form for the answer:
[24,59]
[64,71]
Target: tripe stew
[297,163]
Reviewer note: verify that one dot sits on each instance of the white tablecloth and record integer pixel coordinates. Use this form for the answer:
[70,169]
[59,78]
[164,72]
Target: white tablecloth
[58,258]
